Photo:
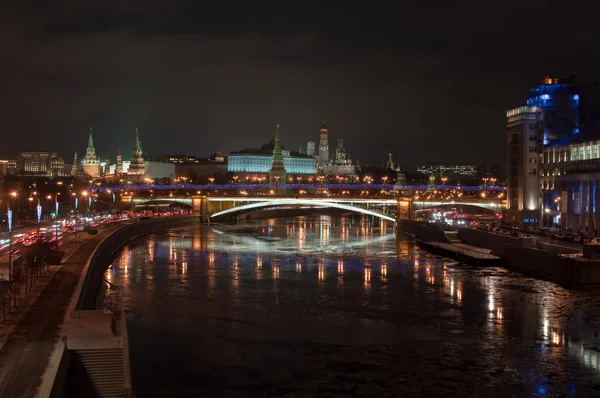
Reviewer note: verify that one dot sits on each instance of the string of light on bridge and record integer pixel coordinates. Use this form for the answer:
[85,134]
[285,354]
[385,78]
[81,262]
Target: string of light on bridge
[389,187]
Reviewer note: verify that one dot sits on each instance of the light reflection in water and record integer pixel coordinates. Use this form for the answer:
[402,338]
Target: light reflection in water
[487,296]
[321,271]
[367,277]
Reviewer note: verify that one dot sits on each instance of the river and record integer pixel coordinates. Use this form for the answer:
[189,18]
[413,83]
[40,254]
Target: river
[334,306]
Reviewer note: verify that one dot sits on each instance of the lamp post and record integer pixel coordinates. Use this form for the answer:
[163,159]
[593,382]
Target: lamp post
[10,222]
[38,212]
[76,210]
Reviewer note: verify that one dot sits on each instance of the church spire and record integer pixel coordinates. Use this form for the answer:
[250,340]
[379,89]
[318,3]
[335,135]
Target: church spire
[390,162]
[90,140]
[138,145]
[277,155]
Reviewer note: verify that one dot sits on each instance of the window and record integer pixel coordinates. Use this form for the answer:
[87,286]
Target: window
[532,137]
[594,151]
[581,153]
[573,154]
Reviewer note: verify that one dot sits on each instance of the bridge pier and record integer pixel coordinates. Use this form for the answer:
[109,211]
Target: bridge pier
[200,207]
[404,209]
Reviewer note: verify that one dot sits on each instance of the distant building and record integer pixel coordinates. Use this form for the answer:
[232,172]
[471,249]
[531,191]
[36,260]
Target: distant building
[277,173]
[4,168]
[559,111]
[341,166]
[136,164]
[570,180]
[444,169]
[523,187]
[47,164]
[256,163]
[91,164]
[323,145]
[310,148]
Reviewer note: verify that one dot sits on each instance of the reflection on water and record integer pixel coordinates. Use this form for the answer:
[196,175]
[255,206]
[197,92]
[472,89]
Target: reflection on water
[342,306]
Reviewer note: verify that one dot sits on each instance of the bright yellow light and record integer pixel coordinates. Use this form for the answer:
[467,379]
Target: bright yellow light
[84,193]
[13,194]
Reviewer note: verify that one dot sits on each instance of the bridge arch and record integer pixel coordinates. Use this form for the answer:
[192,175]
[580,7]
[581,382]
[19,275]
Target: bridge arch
[301,202]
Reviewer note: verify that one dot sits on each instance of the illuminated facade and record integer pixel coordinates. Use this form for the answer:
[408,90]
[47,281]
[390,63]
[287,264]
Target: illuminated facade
[40,164]
[277,173]
[90,164]
[259,161]
[323,145]
[448,169]
[570,175]
[523,131]
[341,165]
[136,165]
[566,111]
[558,101]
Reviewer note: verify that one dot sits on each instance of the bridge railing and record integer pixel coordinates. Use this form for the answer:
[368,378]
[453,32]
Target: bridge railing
[312,186]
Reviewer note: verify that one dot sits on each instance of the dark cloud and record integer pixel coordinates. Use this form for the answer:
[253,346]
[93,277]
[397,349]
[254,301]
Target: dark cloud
[429,80]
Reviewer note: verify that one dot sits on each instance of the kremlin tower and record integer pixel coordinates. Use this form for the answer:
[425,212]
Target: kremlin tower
[323,146]
[277,174]
[136,165]
[91,164]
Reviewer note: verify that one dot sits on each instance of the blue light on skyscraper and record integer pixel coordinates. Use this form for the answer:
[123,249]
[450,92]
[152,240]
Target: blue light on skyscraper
[576,97]
[545,96]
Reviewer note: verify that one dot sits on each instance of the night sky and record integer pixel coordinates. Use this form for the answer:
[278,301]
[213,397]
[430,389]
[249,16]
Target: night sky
[430,80]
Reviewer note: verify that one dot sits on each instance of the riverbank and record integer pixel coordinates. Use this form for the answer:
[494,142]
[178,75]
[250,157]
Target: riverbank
[542,260]
[30,342]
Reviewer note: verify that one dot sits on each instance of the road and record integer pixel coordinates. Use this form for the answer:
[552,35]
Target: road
[26,352]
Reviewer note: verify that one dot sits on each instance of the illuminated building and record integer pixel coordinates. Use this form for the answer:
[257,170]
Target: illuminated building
[277,174]
[3,168]
[559,111]
[323,145]
[256,163]
[90,163]
[75,167]
[39,163]
[558,101]
[523,188]
[119,165]
[570,175]
[310,148]
[136,165]
[341,165]
[441,169]
[201,170]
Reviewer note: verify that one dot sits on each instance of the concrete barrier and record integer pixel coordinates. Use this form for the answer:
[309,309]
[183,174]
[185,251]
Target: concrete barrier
[557,248]
[422,231]
[87,291]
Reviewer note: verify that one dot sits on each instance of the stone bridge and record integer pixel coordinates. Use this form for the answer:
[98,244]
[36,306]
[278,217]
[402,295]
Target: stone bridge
[390,208]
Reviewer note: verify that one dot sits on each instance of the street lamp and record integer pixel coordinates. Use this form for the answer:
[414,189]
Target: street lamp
[10,222]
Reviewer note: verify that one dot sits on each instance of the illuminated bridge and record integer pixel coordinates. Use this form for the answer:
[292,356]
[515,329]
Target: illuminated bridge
[389,208]
[203,188]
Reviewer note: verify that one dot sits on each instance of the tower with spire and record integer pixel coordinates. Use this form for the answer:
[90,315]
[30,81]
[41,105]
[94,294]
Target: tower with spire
[277,174]
[119,164]
[75,166]
[323,145]
[91,164]
[136,165]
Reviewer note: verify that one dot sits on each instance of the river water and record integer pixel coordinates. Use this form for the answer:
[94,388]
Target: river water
[328,306]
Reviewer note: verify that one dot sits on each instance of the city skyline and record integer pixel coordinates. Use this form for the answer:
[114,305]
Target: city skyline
[418,82]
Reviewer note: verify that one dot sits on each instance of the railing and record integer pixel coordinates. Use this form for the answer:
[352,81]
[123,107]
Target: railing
[311,186]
